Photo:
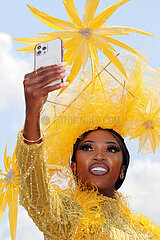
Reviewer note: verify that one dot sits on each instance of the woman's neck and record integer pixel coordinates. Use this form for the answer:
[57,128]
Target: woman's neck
[107,192]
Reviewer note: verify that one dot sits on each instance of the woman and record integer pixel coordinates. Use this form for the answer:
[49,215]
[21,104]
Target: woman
[94,209]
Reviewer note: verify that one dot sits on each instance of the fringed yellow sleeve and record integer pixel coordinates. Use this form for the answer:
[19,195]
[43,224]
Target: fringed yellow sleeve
[49,210]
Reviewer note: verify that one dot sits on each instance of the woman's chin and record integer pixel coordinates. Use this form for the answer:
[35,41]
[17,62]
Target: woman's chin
[98,184]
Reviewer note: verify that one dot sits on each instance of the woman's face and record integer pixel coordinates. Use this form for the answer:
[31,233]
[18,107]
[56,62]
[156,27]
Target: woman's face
[99,161]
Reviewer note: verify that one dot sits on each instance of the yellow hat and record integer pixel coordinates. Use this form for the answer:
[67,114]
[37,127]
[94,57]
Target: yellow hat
[128,106]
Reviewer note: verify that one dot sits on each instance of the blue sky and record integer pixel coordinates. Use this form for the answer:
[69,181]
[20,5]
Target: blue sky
[17,21]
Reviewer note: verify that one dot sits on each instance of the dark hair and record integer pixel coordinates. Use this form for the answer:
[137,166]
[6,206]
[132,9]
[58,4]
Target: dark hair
[119,139]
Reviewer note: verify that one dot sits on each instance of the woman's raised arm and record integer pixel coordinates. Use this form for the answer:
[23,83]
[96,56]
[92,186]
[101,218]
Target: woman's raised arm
[44,205]
[36,93]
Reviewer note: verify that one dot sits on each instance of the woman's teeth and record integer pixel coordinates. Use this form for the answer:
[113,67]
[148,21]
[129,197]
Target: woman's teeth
[99,169]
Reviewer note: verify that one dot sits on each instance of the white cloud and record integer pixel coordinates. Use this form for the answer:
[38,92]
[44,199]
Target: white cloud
[26,228]
[12,71]
[142,187]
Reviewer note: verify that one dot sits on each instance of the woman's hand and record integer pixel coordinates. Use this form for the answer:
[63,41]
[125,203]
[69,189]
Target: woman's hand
[36,93]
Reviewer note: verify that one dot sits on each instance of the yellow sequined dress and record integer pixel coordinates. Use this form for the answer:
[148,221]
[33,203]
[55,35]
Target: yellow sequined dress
[85,215]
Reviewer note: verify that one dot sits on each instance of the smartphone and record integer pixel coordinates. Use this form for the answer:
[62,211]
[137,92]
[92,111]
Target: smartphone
[49,53]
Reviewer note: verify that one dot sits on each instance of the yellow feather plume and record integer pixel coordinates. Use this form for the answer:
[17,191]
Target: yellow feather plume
[89,11]
[51,21]
[9,190]
[102,17]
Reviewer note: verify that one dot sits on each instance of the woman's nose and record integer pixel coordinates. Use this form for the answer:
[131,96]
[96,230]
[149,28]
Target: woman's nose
[99,156]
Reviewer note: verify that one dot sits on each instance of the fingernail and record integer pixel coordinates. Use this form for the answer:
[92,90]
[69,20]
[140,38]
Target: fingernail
[64,74]
[64,68]
[61,64]
[64,84]
[67,67]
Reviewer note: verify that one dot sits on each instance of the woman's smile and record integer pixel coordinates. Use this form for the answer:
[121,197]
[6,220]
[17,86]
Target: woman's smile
[99,169]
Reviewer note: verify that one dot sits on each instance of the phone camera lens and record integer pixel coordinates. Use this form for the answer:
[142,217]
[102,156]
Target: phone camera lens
[44,48]
[39,47]
[39,52]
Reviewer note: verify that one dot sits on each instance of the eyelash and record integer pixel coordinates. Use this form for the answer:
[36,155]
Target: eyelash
[113,147]
[110,148]
[84,146]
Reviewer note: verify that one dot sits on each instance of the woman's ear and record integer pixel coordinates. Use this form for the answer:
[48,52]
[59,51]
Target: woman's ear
[74,167]
[122,172]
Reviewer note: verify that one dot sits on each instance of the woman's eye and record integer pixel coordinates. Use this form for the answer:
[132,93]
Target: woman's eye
[113,149]
[86,147]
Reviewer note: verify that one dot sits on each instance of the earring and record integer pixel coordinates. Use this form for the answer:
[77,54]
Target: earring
[74,172]
[121,175]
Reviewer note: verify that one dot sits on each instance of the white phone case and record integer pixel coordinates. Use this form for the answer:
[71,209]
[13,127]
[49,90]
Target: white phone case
[48,53]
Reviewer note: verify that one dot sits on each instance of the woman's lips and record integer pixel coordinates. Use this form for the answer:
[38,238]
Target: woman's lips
[99,169]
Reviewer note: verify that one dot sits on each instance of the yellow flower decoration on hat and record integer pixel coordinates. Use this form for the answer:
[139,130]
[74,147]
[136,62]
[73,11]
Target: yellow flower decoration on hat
[147,126]
[83,39]
[9,190]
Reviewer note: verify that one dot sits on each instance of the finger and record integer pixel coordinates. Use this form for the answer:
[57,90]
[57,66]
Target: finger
[49,79]
[34,73]
[41,69]
[58,66]
[41,77]
[44,91]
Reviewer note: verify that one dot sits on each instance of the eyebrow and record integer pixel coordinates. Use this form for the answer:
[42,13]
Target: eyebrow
[105,142]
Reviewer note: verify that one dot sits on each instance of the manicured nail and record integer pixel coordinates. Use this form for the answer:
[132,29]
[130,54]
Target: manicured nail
[61,64]
[64,84]
[67,67]
[64,74]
